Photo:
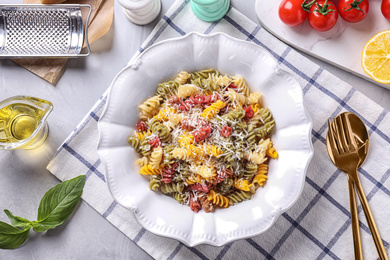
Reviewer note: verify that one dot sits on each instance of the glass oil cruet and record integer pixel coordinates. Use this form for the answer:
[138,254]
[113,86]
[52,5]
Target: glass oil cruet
[23,122]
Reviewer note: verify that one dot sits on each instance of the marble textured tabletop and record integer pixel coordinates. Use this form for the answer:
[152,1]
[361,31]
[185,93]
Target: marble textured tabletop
[23,175]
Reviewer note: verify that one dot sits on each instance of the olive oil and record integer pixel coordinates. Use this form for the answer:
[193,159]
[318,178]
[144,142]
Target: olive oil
[18,121]
[22,122]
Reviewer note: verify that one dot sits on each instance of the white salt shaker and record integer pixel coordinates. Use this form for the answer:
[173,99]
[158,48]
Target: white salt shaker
[141,11]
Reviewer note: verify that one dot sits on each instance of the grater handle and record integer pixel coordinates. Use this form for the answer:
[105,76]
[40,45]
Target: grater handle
[86,31]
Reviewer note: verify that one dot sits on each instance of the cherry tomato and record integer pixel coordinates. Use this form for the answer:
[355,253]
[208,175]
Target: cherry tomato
[353,11]
[323,15]
[291,12]
[385,8]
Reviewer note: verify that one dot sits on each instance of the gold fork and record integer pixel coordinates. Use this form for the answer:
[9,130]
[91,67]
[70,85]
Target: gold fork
[333,154]
[346,155]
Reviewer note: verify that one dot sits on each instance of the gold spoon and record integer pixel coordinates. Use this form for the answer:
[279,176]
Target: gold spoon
[352,195]
[346,137]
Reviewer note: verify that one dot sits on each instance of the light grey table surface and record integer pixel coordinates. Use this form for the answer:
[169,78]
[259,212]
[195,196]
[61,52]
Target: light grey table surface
[23,175]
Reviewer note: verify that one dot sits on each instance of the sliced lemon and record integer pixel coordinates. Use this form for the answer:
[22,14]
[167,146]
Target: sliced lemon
[376,57]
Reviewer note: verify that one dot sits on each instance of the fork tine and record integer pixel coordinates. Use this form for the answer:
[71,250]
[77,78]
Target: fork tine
[331,137]
[336,135]
[348,131]
[341,134]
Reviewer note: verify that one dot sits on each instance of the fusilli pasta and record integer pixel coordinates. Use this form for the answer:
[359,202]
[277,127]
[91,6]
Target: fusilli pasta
[203,139]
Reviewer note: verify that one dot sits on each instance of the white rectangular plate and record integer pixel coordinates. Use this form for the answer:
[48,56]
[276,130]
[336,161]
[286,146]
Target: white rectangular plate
[341,46]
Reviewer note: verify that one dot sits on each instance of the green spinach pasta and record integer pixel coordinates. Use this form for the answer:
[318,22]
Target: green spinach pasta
[204,139]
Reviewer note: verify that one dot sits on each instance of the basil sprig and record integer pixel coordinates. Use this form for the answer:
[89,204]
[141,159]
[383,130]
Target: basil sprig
[55,207]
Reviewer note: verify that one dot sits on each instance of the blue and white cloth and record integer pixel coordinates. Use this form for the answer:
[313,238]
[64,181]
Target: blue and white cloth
[318,226]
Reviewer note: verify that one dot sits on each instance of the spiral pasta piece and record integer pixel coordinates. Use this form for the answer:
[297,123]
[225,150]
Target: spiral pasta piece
[156,157]
[218,199]
[167,89]
[256,108]
[243,87]
[254,98]
[142,161]
[180,197]
[207,172]
[187,90]
[234,115]
[182,77]
[261,176]
[186,139]
[165,114]
[271,152]
[212,150]
[142,134]
[234,96]
[149,170]
[148,108]
[242,184]
[181,153]
[194,178]
[172,187]
[213,109]
[154,184]
[223,81]
[254,122]
[203,74]
[239,196]
[135,143]
[160,129]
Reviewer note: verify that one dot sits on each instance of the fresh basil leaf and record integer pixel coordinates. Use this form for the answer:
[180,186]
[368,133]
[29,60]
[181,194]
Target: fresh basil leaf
[12,237]
[18,221]
[58,203]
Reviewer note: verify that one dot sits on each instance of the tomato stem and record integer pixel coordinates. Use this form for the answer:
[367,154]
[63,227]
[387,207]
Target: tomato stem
[306,6]
[324,10]
[354,5]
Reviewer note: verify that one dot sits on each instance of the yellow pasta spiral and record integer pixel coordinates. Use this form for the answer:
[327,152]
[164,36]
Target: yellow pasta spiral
[260,179]
[242,184]
[195,152]
[212,150]
[256,108]
[262,169]
[185,140]
[141,135]
[271,152]
[213,109]
[149,170]
[165,114]
[218,199]
[194,178]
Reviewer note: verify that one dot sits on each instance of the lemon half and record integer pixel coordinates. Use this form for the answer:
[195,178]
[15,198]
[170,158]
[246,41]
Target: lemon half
[376,57]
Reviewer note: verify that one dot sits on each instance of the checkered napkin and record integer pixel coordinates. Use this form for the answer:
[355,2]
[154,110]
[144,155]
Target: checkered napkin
[318,226]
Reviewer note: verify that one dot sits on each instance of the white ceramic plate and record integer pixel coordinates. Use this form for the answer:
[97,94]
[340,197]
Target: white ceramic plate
[163,215]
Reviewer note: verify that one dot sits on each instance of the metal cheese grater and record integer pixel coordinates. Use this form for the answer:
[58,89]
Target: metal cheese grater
[42,31]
